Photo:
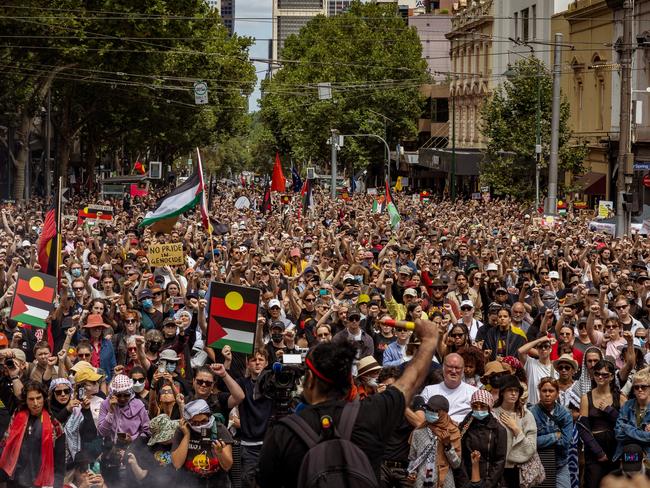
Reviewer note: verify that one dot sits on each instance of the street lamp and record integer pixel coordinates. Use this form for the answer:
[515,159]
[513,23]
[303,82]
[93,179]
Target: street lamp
[385,139]
[369,135]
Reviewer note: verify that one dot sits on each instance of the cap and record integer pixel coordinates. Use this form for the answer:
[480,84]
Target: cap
[491,267]
[494,307]
[295,253]
[438,282]
[141,253]
[277,324]
[482,396]
[26,243]
[169,355]
[86,374]
[3,340]
[368,255]
[19,354]
[405,270]
[566,358]
[592,292]
[494,367]
[501,290]
[554,275]
[632,459]
[146,293]
[363,298]
[79,365]
[466,303]
[168,321]
[274,302]
[192,293]
[404,249]
[510,381]
[410,292]
[348,277]
[367,365]
[309,269]
[635,264]
[121,383]
[437,402]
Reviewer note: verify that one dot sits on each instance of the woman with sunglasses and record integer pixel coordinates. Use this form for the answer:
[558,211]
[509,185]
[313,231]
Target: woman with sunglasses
[61,401]
[121,413]
[131,322]
[166,400]
[455,340]
[599,410]
[634,417]
[139,377]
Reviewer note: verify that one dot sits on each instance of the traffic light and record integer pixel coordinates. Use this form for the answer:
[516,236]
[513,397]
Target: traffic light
[628,200]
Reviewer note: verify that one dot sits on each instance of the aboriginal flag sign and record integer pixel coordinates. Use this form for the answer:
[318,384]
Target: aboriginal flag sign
[33,297]
[232,316]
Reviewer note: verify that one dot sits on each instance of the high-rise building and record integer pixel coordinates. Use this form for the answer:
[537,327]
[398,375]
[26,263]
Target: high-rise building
[289,16]
[336,7]
[214,4]
[228,14]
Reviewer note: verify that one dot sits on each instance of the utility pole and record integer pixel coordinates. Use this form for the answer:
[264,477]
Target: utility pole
[538,137]
[334,140]
[452,182]
[625,155]
[48,163]
[551,207]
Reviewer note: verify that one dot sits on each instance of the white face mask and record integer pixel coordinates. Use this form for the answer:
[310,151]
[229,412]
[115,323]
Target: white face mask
[138,387]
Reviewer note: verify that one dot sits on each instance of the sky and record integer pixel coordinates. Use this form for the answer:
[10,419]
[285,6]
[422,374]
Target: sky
[261,28]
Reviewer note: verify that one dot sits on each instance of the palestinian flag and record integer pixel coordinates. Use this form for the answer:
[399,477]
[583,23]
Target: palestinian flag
[33,298]
[393,213]
[232,316]
[205,219]
[378,205]
[182,199]
[49,243]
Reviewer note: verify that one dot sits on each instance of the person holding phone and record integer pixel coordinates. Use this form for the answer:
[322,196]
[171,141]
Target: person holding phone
[122,413]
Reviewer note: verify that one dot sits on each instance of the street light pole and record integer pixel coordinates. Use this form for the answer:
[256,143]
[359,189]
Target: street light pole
[538,138]
[452,183]
[551,207]
[385,146]
[334,140]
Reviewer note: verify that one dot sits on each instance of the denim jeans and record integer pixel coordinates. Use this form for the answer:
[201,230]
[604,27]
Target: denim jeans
[250,456]
[562,478]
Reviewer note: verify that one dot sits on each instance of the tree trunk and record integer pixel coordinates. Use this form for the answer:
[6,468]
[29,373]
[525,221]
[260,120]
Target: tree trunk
[22,155]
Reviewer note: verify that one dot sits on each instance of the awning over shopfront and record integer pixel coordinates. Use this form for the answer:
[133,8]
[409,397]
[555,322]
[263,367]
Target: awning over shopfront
[592,183]
[467,160]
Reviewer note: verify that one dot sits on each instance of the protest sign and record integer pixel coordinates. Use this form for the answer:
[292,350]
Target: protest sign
[166,254]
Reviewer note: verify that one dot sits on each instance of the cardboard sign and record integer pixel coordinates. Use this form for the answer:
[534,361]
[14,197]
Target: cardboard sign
[604,208]
[166,254]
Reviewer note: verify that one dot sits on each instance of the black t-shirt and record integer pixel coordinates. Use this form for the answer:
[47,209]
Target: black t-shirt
[253,414]
[397,446]
[381,343]
[283,450]
[200,461]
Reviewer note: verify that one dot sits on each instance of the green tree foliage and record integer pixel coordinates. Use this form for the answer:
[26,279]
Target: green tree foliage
[509,125]
[121,75]
[374,63]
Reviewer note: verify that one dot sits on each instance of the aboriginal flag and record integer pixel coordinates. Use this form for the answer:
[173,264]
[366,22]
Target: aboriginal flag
[33,298]
[232,316]
[49,244]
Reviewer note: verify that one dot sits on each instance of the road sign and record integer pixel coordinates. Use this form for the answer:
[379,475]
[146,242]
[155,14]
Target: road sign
[641,166]
[646,181]
[200,93]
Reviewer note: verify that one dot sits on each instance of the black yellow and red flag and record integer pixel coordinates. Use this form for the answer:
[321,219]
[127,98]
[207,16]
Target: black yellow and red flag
[33,298]
[49,244]
[103,212]
[232,316]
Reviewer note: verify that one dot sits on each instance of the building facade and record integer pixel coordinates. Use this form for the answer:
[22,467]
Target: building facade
[289,16]
[590,83]
[228,14]
[336,7]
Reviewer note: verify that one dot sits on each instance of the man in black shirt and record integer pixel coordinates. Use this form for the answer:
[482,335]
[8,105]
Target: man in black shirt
[325,386]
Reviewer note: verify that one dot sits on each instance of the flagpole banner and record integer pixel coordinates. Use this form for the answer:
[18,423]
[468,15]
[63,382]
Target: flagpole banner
[232,316]
[33,298]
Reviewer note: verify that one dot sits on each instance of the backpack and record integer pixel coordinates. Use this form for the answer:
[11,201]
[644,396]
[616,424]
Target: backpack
[336,460]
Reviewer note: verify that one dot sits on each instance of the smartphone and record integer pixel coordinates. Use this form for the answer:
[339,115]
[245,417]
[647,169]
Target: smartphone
[161,367]
[81,393]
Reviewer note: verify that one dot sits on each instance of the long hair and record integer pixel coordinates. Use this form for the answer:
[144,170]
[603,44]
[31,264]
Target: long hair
[33,386]
[613,387]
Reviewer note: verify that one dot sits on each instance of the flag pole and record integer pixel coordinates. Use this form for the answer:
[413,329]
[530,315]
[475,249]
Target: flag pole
[58,228]
[200,168]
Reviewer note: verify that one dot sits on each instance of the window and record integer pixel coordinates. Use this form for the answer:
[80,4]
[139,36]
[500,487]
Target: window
[534,14]
[524,24]
[516,25]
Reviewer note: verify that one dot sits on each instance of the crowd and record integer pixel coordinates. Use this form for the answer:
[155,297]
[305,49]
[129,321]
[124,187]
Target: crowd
[527,365]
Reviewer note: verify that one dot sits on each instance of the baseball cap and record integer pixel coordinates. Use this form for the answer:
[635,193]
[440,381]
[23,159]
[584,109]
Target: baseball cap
[146,293]
[86,374]
[466,303]
[349,278]
[19,354]
[410,292]
[554,275]
[501,290]
[491,267]
[3,340]
[295,252]
[277,324]
[169,355]
[274,302]
[405,270]
[632,459]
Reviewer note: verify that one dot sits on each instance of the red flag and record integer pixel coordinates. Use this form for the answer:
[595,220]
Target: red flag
[49,243]
[278,182]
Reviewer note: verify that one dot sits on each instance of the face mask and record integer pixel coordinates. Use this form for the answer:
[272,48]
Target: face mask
[199,429]
[138,387]
[154,347]
[171,367]
[76,272]
[371,382]
[641,341]
[147,303]
[480,414]
[431,417]
[276,337]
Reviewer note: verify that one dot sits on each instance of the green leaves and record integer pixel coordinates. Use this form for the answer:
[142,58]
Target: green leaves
[373,61]
[509,122]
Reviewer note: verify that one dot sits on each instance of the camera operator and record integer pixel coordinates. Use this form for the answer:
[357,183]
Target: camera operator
[11,386]
[325,387]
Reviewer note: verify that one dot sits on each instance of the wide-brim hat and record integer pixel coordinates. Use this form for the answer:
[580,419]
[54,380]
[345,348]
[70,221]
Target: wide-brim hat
[566,358]
[95,320]
[367,365]
[162,429]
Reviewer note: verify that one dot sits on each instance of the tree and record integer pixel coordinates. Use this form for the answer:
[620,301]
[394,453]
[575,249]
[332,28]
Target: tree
[509,119]
[374,63]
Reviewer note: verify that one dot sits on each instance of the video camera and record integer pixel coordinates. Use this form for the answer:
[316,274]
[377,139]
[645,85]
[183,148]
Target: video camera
[281,383]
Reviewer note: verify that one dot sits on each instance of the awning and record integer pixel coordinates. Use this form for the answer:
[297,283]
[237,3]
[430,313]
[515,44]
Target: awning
[467,161]
[592,183]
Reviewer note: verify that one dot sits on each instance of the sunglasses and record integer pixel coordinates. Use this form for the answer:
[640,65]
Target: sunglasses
[157,294]
[564,367]
[602,375]
[154,343]
[131,349]
[354,318]
[641,387]
[439,288]
[545,346]
[204,382]
[62,392]
[465,309]
[130,321]
[83,354]
[76,288]
[309,300]
[610,327]
[621,307]
[457,336]
[325,334]
[138,380]
[166,392]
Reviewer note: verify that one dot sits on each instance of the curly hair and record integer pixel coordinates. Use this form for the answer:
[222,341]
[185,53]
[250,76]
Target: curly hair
[33,386]
[473,354]
[334,362]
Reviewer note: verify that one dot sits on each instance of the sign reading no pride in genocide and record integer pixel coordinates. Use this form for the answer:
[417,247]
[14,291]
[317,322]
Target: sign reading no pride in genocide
[166,254]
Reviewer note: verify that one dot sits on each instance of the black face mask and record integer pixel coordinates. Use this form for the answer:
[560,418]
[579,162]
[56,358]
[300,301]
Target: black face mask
[276,337]
[154,346]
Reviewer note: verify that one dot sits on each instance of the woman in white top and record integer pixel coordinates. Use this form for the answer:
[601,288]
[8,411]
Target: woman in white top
[520,426]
